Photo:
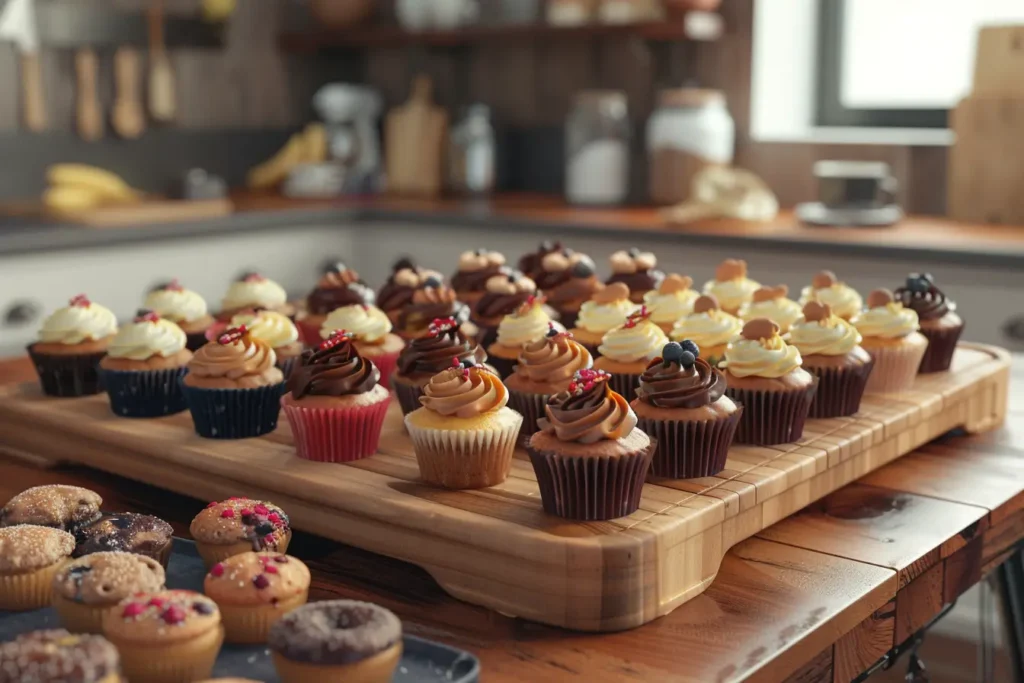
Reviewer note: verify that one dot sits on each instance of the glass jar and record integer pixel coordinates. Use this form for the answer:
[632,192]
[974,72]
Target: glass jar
[471,154]
[597,149]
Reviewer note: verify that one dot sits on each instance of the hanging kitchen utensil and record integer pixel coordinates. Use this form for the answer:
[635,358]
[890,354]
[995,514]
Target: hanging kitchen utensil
[163,105]
[88,116]
[415,133]
[18,24]
[128,118]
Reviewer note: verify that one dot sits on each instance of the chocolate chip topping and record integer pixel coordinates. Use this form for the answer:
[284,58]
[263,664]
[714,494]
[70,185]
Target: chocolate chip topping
[760,328]
[335,632]
[705,303]
[57,506]
[57,655]
[815,311]
[124,531]
[880,297]
[823,279]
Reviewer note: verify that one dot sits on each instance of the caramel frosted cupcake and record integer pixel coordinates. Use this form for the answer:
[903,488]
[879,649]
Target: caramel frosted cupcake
[765,376]
[627,349]
[370,329]
[709,327]
[30,556]
[637,270]
[568,294]
[183,307]
[425,357]
[127,532]
[825,287]
[475,269]
[56,656]
[771,303]
[589,457]
[937,317]
[672,301]
[253,290]
[528,324]
[731,286]
[406,277]
[889,334]
[605,311]
[277,330]
[87,587]
[239,525]
[253,590]
[431,301]
[339,286]
[71,343]
[505,293]
[59,506]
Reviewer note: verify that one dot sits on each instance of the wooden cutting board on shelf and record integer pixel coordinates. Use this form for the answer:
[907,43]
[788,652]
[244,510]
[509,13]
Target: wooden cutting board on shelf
[415,134]
[148,212]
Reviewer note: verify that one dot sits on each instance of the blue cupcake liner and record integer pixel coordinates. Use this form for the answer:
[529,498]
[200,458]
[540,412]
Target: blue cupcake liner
[144,393]
[234,413]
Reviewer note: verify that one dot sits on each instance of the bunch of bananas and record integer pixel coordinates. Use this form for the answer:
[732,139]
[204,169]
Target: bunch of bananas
[78,187]
[306,147]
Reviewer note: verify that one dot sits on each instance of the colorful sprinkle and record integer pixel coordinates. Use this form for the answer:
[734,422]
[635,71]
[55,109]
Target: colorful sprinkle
[281,559]
[227,513]
[156,602]
[133,609]
[337,337]
[270,569]
[217,569]
[81,301]
[232,335]
[261,509]
[274,518]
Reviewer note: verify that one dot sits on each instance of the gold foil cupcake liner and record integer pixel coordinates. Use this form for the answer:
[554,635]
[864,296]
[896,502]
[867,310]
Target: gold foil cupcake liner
[469,459]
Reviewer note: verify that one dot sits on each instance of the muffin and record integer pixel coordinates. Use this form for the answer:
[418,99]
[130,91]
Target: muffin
[627,349]
[277,330]
[425,357]
[544,368]
[681,404]
[431,301]
[937,317]
[671,301]
[731,286]
[709,327]
[170,636]
[568,296]
[336,640]
[771,303]
[182,307]
[143,367]
[30,556]
[764,375]
[406,277]
[844,300]
[87,587]
[334,403]
[505,293]
[339,286]
[889,334]
[464,435]
[252,290]
[638,270]
[233,387]
[72,341]
[126,532]
[371,334]
[475,269]
[528,324]
[239,525]
[56,656]
[589,457]
[605,311]
[63,507]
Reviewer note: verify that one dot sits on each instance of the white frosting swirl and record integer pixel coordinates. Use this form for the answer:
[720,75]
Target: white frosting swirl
[761,358]
[645,340]
[365,323]
[273,328]
[599,318]
[888,322]
[254,293]
[145,339]
[520,330]
[667,309]
[831,337]
[844,300]
[178,305]
[711,328]
[782,311]
[74,324]
[732,294]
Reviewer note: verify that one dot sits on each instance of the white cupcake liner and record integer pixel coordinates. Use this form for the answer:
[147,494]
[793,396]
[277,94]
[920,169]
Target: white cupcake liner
[465,459]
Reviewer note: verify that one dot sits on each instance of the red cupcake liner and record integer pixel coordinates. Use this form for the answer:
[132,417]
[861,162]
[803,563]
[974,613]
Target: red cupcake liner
[839,389]
[941,347]
[308,334]
[772,417]
[386,363]
[531,407]
[687,450]
[338,435]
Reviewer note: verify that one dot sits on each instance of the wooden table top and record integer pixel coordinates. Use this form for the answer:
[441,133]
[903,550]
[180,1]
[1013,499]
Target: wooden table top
[819,596]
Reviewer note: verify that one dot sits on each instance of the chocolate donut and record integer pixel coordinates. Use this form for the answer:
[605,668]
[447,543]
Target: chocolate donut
[335,632]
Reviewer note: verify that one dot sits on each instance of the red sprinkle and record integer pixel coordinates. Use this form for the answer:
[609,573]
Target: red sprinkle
[227,513]
[274,518]
[174,286]
[246,512]
[281,559]
[260,581]
[133,609]
[269,539]
[174,615]
[81,301]
[337,337]
[261,509]
[213,504]
[270,569]
[217,569]
[232,335]
[253,277]
[156,602]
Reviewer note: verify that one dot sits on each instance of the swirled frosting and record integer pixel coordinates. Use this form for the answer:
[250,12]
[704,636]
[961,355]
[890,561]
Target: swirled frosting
[274,328]
[365,323]
[844,300]
[528,324]
[632,342]
[710,328]
[431,354]
[464,392]
[769,358]
[924,298]
[667,308]
[668,384]
[887,322]
[601,317]
[476,268]
[245,362]
[782,310]
[334,368]
[254,292]
[401,285]
[429,303]
[732,294]
[588,412]
[176,304]
[337,288]
[832,336]
[144,339]
[79,321]
[553,360]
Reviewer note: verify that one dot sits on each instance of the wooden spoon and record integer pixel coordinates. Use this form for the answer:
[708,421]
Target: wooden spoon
[162,103]
[128,118]
[88,114]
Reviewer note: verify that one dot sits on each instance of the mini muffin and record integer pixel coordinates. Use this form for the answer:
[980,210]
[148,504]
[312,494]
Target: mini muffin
[638,270]
[87,587]
[334,404]
[504,294]
[63,507]
[239,525]
[890,335]
[170,636]
[276,329]
[371,334]
[30,556]
[183,307]
[671,301]
[143,367]
[765,376]
[72,341]
[127,532]
[825,287]
[709,327]
[336,640]
[253,590]
[475,269]
[425,357]
[731,286]
[464,435]
[431,301]
[627,349]
[936,314]
[589,457]
[605,311]
[569,295]
[406,277]
[681,404]
[253,290]
[339,286]
[529,323]
[771,303]
[56,656]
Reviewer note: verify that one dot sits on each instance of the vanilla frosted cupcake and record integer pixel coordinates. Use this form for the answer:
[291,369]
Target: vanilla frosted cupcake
[771,303]
[844,300]
[731,286]
[709,327]
[370,329]
[672,301]
[529,323]
[890,334]
[275,329]
[183,307]
[627,349]
[253,290]
[605,311]
[636,269]
[72,341]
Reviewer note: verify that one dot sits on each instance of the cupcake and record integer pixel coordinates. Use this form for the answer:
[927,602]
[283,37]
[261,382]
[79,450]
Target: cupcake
[605,311]
[233,387]
[143,367]
[336,640]
[764,375]
[771,303]
[568,296]
[56,656]
[30,556]
[183,307]
[830,348]
[431,301]
[59,506]
[250,291]
[545,368]
[844,300]
[731,286]
[277,331]
[406,277]
[671,301]
[627,349]
[334,404]
[937,317]
[551,264]
[528,324]
[637,270]
[589,457]
[425,357]
[475,269]
[505,294]
[126,532]
[709,327]
[371,334]
[681,404]
[464,435]
[890,335]
[239,525]
[170,636]
[72,341]
[253,590]
[339,286]
[87,587]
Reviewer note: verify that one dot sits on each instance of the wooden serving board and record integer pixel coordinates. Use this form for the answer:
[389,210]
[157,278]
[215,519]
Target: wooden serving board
[496,547]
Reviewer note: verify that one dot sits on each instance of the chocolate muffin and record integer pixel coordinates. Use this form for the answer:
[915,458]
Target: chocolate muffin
[57,656]
[55,505]
[126,532]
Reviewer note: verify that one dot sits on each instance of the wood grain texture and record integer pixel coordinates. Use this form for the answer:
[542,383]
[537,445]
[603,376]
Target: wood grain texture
[865,644]
[918,602]
[818,670]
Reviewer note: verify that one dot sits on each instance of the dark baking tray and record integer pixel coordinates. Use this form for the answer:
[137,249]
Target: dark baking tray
[422,660]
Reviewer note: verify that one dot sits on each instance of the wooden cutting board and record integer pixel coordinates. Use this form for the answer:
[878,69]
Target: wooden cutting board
[415,134]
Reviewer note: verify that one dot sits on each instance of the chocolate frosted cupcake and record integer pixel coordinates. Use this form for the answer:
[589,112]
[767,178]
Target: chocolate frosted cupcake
[183,307]
[504,294]
[370,329]
[475,269]
[937,317]
[671,301]
[87,587]
[339,286]
[59,506]
[406,277]
[551,264]
[253,290]
[30,556]
[56,656]
[425,357]
[607,308]
[529,323]
[681,404]
[126,532]
[72,341]
[589,457]
[433,300]
[731,286]
[238,525]
[569,295]
[627,349]
[771,303]
[637,270]
[275,329]
[825,287]
[709,327]
[890,334]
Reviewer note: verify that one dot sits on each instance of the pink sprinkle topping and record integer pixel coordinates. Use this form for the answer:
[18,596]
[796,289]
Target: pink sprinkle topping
[81,301]
[261,509]
[147,317]
[213,504]
[253,277]
[337,337]
[270,569]
[274,518]
[217,569]
[156,602]
[585,380]
[133,609]
[246,512]
[227,513]
[232,335]
[440,325]
[174,286]
[281,559]
[174,615]
[260,581]
[269,539]
[636,317]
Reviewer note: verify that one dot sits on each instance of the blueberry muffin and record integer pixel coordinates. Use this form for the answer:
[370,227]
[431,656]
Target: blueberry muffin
[238,525]
[87,587]
[127,532]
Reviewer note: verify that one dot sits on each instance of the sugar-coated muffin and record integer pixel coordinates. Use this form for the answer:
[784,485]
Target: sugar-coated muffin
[30,556]
[826,288]
[239,525]
[627,349]
[731,287]
[606,310]
[636,269]
[253,290]
[503,294]
[937,317]
[339,286]
[185,308]
[277,330]
[87,587]
[71,343]
[55,505]
[370,329]
[476,267]
[527,324]
[709,327]
[425,357]
[771,303]
[57,656]
[889,332]
[671,301]
[127,532]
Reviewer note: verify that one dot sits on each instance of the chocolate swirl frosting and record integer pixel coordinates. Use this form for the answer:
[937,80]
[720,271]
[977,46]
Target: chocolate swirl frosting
[668,384]
[476,280]
[553,359]
[499,304]
[427,356]
[464,392]
[334,368]
[429,303]
[588,412]
[336,289]
[922,296]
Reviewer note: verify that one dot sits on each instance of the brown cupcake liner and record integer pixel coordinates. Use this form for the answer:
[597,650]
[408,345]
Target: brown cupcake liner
[772,417]
[531,407]
[839,389]
[625,385]
[68,375]
[408,396]
[686,449]
[941,347]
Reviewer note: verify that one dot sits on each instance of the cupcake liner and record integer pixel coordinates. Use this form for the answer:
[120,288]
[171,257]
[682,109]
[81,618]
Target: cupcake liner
[772,417]
[941,346]
[376,669]
[70,375]
[308,334]
[568,318]
[839,389]
[895,367]
[336,435]
[78,617]
[250,624]
[531,407]
[212,553]
[28,590]
[286,365]
[690,449]
[144,393]
[195,340]
[485,334]
[234,413]
[408,396]
[465,459]
[184,662]
[625,385]
[504,366]
[591,488]
[386,363]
